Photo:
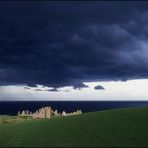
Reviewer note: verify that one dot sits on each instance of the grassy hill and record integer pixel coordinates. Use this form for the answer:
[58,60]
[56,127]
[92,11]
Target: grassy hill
[117,127]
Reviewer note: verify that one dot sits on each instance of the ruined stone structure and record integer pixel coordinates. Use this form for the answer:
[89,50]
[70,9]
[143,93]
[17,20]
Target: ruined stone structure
[71,114]
[46,112]
[43,113]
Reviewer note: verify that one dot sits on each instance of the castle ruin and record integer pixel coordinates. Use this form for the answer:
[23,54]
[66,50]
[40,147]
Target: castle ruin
[46,112]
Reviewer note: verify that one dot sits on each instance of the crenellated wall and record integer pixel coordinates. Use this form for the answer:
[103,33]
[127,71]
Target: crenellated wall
[46,112]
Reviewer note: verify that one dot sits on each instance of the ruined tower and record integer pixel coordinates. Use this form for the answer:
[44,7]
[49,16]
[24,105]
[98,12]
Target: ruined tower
[48,112]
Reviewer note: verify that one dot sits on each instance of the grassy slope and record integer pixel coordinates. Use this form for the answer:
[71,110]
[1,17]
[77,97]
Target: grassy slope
[118,127]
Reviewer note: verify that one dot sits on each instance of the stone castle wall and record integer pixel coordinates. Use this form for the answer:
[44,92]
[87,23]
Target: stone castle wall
[46,112]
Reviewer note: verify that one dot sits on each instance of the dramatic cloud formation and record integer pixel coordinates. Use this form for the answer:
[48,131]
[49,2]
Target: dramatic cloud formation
[38,89]
[99,87]
[27,87]
[53,89]
[79,86]
[60,44]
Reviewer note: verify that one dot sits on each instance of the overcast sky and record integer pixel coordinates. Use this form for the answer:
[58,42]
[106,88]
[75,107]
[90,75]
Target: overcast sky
[73,50]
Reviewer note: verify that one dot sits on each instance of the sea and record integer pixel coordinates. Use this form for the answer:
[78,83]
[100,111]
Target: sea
[12,107]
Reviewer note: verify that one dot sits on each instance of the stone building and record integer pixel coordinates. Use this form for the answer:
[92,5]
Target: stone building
[71,114]
[46,112]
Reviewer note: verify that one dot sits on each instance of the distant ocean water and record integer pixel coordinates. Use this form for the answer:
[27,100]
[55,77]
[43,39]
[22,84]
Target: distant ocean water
[12,107]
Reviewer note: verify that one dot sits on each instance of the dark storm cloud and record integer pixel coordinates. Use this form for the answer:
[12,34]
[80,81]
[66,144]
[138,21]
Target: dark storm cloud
[53,89]
[38,89]
[27,87]
[79,86]
[31,85]
[67,43]
[99,87]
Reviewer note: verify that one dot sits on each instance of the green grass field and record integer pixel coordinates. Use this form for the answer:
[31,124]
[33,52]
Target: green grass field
[118,127]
